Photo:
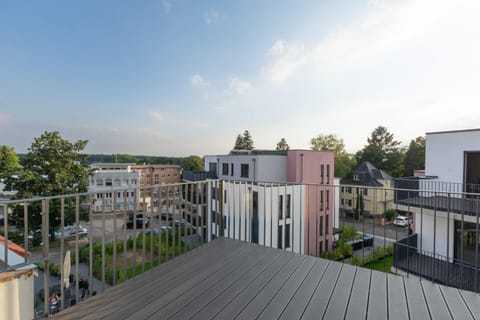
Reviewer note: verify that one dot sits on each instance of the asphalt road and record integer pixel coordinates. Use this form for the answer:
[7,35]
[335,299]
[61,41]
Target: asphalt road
[370,226]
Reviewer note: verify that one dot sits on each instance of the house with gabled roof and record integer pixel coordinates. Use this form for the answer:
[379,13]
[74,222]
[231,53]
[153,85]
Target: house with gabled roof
[361,183]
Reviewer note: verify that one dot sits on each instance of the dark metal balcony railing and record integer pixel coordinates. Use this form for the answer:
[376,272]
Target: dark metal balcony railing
[321,220]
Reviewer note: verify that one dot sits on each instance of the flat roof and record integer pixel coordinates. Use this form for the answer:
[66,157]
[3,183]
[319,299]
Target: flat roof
[454,131]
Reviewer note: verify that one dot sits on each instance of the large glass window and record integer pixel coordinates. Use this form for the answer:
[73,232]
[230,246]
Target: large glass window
[244,170]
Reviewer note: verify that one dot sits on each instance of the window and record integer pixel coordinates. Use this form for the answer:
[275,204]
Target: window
[225,169]
[108,182]
[321,200]
[326,224]
[288,206]
[328,174]
[244,170]
[326,244]
[328,200]
[320,227]
[99,182]
[280,207]
[320,247]
[119,194]
[280,237]
[365,191]
[322,169]
[231,169]
[356,177]
[157,179]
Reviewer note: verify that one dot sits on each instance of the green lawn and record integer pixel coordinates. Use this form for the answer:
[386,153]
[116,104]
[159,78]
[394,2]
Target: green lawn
[381,265]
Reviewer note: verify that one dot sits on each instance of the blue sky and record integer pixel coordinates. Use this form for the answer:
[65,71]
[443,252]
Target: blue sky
[185,77]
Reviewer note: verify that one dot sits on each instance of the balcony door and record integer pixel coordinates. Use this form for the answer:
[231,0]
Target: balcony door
[472,172]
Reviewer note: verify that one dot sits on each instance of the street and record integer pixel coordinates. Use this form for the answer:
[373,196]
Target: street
[388,232]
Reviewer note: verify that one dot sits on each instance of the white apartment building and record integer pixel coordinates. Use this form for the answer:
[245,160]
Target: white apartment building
[445,217]
[115,187]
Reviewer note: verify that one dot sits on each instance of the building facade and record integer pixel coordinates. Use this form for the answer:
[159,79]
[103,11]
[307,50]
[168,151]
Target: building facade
[369,185]
[114,186]
[296,184]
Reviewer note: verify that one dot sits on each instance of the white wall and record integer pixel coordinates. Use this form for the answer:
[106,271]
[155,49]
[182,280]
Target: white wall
[261,167]
[426,223]
[16,296]
[444,155]
[238,212]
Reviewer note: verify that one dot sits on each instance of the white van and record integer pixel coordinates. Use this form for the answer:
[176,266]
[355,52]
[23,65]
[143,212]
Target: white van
[402,221]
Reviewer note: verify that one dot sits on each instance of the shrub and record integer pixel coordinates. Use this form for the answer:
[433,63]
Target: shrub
[390,213]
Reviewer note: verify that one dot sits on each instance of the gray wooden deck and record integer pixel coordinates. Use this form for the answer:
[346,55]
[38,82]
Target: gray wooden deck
[228,279]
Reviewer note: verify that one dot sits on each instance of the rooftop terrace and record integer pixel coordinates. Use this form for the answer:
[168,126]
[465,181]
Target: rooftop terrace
[229,279]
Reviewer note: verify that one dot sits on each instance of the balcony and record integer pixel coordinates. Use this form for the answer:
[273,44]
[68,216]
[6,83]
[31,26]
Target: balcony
[221,249]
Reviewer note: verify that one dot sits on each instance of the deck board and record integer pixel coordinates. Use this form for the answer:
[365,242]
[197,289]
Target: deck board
[228,279]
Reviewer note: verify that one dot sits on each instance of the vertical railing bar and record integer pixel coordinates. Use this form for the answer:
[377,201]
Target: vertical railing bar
[25,227]
[270,189]
[188,199]
[462,263]
[234,215]
[476,244]
[179,231]
[103,243]
[308,216]
[62,251]
[90,240]
[160,224]
[250,224]
[5,232]
[134,236]
[144,219]
[292,215]
[124,231]
[239,211]
[245,212]
[284,216]
[434,234]
[264,214]
[198,187]
[77,249]
[46,248]
[229,217]
[114,212]
[168,231]
[301,213]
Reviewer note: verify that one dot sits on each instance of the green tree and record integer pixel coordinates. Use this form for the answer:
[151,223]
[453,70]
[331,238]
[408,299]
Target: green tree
[383,151]
[344,162]
[359,205]
[124,158]
[193,163]
[415,156]
[244,142]
[53,166]
[9,163]
[282,145]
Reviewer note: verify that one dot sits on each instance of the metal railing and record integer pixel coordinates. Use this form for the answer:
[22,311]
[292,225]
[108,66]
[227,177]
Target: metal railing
[342,222]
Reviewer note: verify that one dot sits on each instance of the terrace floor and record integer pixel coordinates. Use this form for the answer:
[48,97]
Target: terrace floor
[228,279]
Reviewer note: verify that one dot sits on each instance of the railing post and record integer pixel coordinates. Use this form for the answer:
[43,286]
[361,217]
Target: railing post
[45,229]
[209,210]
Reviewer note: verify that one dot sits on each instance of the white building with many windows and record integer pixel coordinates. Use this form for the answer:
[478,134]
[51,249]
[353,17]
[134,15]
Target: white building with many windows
[115,187]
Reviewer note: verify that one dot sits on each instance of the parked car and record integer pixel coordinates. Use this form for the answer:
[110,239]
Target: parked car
[140,221]
[69,232]
[402,221]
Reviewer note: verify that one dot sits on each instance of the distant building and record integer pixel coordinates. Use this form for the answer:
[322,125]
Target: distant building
[299,184]
[158,174]
[361,184]
[114,187]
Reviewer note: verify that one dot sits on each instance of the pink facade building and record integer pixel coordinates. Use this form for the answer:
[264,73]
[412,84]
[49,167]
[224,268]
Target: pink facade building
[314,169]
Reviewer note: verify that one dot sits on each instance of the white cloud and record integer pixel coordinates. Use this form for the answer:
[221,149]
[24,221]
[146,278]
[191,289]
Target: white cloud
[5,117]
[167,6]
[210,16]
[385,28]
[157,116]
[198,81]
[239,86]
[287,59]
